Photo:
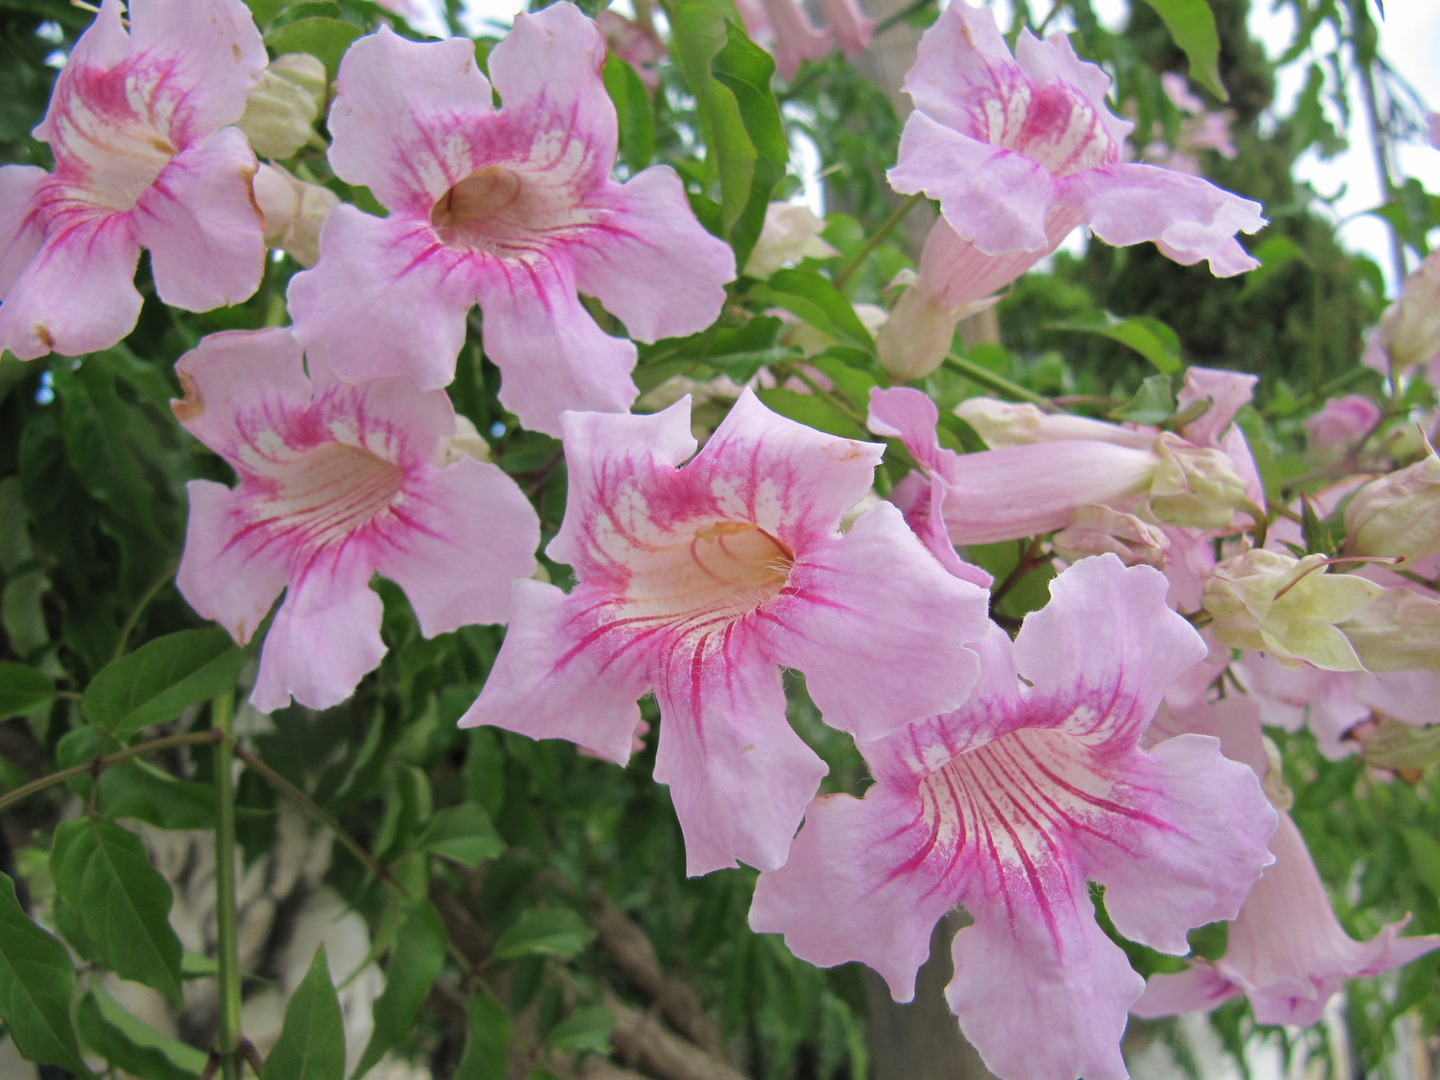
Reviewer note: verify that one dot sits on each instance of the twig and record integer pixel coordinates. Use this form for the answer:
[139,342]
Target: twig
[901,16]
[886,226]
[139,608]
[998,383]
[100,764]
[1029,560]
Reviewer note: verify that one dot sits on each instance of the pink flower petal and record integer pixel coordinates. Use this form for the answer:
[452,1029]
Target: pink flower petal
[469,507]
[205,235]
[796,38]
[1199,987]
[408,156]
[553,355]
[1054,60]
[20,235]
[325,636]
[385,299]
[848,23]
[234,584]
[961,65]
[850,892]
[865,608]
[991,196]
[259,370]
[77,294]
[1187,217]
[1228,392]
[658,271]
[725,739]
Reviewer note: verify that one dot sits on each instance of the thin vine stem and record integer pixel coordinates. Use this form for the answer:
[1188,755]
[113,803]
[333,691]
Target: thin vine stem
[227,911]
[139,609]
[900,16]
[877,237]
[998,383]
[100,764]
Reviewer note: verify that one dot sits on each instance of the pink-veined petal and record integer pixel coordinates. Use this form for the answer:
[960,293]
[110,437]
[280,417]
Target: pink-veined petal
[474,533]
[77,294]
[1105,686]
[654,266]
[551,354]
[1040,991]
[1228,392]
[724,740]
[961,64]
[849,891]
[20,235]
[856,616]
[398,122]
[1054,60]
[910,416]
[1207,849]
[991,196]
[1187,217]
[325,637]
[547,69]
[385,299]
[546,684]
[199,220]
[232,373]
[228,581]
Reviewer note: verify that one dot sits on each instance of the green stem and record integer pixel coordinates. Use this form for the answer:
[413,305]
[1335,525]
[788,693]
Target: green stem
[998,383]
[139,609]
[227,915]
[886,227]
[100,764]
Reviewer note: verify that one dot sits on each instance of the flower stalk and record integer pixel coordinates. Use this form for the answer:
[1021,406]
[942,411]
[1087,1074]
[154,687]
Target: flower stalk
[222,712]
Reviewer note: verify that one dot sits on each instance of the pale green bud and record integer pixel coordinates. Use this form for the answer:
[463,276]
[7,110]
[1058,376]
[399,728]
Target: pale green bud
[1400,631]
[1397,515]
[1194,486]
[293,211]
[1287,607]
[791,232]
[1095,529]
[466,442]
[280,112]
[1410,327]
[1008,423]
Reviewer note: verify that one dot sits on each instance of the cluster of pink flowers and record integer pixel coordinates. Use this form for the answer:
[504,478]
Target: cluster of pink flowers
[1008,776]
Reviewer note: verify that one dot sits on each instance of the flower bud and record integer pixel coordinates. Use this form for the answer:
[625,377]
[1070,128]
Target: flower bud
[916,338]
[294,212]
[1096,529]
[1195,487]
[466,442]
[280,112]
[1398,514]
[1287,607]
[1410,327]
[1400,631]
[791,232]
[1007,423]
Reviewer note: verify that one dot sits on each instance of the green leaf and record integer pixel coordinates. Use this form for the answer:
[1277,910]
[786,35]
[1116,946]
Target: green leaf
[746,70]
[416,960]
[1151,338]
[487,1038]
[1424,858]
[813,298]
[155,682]
[463,833]
[634,111]
[119,1050]
[544,931]
[312,1040]
[137,789]
[1153,404]
[1192,25]
[23,689]
[122,903]
[37,979]
[812,410]
[320,37]
[1274,253]
[587,1028]
[183,1055]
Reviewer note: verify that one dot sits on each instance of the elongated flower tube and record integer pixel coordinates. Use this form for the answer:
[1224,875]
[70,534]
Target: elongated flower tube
[1012,803]
[337,483]
[700,582]
[513,209]
[1007,143]
[144,157]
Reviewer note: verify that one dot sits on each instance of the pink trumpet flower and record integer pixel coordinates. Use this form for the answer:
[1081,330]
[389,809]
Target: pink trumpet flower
[145,156]
[1009,805]
[513,209]
[700,582]
[1020,152]
[337,482]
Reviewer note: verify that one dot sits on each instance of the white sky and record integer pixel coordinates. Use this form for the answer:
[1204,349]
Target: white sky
[1409,39]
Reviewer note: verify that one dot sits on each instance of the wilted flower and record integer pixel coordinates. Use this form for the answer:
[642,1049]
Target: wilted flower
[294,212]
[1019,153]
[280,112]
[700,579]
[511,208]
[1095,530]
[1194,486]
[337,483]
[1009,806]
[143,158]
[1400,631]
[1287,607]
